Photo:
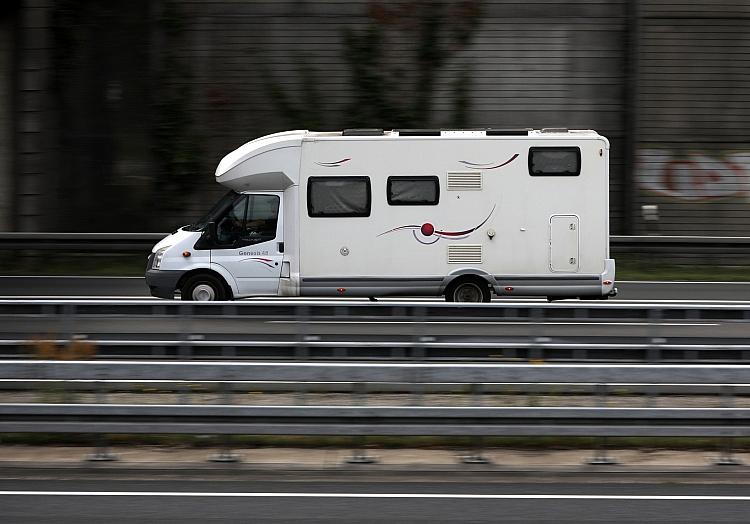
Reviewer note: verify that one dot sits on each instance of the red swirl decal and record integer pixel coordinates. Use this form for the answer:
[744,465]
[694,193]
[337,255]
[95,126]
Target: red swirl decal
[427,234]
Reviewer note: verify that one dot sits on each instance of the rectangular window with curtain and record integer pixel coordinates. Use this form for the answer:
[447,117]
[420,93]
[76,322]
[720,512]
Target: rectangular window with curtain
[338,196]
[554,161]
[413,190]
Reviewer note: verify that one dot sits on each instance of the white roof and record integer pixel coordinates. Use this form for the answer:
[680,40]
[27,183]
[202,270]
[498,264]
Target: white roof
[272,162]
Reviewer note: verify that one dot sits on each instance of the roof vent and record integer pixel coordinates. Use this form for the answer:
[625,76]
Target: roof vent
[555,130]
[465,181]
[362,132]
[465,254]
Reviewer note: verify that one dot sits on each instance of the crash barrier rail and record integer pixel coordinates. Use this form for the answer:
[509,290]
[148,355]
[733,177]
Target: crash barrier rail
[301,330]
[727,375]
[361,418]
[375,377]
[375,420]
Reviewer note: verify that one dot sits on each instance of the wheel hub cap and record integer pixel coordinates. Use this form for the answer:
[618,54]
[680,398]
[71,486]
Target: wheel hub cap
[204,293]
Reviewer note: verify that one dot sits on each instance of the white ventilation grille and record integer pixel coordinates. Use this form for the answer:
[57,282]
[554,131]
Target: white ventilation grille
[465,254]
[465,181]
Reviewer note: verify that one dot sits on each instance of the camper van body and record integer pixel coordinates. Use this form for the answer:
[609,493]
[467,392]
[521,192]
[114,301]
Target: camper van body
[413,213]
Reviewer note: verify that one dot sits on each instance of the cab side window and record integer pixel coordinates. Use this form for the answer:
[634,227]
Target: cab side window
[229,227]
[251,219]
[262,217]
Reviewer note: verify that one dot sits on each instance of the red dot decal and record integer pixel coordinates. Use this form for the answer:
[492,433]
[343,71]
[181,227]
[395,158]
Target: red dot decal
[427,229]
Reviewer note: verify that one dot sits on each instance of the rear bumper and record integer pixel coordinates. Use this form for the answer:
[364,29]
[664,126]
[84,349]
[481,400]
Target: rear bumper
[163,284]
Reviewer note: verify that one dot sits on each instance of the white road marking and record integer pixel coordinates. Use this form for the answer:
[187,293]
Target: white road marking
[476,496]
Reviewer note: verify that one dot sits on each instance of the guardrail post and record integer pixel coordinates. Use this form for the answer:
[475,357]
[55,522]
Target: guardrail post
[419,322]
[101,447]
[398,313]
[101,451]
[359,452]
[225,453]
[302,316]
[726,456]
[474,455]
[301,352]
[655,316]
[229,352]
[600,457]
[185,350]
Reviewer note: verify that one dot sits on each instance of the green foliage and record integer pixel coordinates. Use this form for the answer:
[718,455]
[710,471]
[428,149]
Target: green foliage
[392,86]
[176,144]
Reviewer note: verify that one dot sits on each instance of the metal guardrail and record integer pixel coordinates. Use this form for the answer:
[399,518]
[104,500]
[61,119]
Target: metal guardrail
[361,420]
[80,241]
[612,375]
[374,420]
[364,330]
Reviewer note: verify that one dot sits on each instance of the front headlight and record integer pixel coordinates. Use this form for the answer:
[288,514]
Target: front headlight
[158,256]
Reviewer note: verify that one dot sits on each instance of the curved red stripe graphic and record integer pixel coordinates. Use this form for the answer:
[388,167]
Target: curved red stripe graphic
[265,261]
[423,233]
[337,163]
[488,166]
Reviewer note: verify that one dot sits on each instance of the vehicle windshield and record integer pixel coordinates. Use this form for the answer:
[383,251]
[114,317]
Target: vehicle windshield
[220,206]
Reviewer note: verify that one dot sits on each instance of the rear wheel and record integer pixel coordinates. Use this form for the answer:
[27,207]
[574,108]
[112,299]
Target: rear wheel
[203,288]
[468,291]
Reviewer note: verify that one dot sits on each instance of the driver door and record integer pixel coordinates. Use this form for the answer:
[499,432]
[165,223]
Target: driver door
[249,243]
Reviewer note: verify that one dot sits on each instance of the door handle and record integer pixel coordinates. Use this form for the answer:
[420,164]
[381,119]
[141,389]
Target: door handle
[281,247]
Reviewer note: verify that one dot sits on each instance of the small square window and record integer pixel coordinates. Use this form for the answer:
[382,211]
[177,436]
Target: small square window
[554,161]
[338,196]
[413,190]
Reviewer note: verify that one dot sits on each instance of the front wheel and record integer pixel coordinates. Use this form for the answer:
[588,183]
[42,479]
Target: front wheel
[203,288]
[468,291]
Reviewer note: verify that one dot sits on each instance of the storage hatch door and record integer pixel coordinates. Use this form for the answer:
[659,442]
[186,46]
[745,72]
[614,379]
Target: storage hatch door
[563,243]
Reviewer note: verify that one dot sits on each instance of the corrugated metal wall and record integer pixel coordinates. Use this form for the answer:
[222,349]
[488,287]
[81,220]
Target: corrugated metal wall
[209,75]
[694,117]
[7,85]
[265,66]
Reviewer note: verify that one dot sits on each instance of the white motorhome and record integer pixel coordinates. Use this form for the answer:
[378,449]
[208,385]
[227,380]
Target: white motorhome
[367,213]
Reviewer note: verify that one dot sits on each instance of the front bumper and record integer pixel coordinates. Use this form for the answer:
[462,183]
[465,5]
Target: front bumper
[163,284]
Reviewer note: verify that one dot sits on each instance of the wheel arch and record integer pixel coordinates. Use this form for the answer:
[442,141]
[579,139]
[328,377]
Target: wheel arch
[461,275]
[206,271]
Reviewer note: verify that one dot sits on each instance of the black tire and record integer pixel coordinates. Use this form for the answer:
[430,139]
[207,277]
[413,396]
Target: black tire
[468,290]
[203,287]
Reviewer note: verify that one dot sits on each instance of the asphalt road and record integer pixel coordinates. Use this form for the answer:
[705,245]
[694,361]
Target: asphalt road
[186,501]
[134,287]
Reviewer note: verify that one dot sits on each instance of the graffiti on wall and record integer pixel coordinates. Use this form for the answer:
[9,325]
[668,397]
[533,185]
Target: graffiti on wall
[694,176]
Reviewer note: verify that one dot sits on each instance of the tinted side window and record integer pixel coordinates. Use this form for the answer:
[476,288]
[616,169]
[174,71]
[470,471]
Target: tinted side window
[554,161]
[338,196]
[230,225]
[413,190]
[262,216]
